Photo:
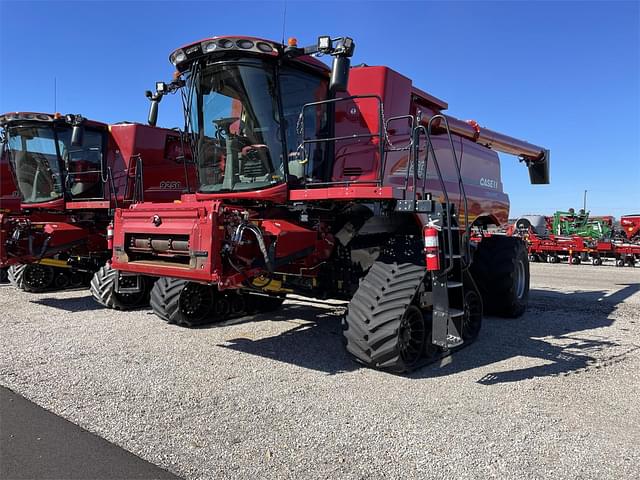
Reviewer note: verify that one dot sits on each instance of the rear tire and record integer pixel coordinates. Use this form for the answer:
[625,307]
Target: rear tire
[184,303]
[501,271]
[103,290]
[15,274]
[596,261]
[4,276]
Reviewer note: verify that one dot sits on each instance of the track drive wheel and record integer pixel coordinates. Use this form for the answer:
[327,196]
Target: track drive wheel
[472,320]
[501,271]
[185,303]
[4,276]
[15,274]
[103,289]
[382,328]
[38,277]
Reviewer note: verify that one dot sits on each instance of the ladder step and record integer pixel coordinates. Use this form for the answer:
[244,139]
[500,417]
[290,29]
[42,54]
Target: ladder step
[454,284]
[453,341]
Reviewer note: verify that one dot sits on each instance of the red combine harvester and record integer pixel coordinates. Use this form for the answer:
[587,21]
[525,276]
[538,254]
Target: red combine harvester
[71,174]
[9,197]
[343,183]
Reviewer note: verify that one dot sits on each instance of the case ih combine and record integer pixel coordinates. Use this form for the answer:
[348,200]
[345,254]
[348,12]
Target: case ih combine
[71,174]
[9,197]
[346,183]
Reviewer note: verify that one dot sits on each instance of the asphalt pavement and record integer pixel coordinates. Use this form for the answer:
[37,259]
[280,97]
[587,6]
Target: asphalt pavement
[36,444]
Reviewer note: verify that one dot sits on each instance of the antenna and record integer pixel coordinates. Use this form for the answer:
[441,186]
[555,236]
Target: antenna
[55,95]
[284,20]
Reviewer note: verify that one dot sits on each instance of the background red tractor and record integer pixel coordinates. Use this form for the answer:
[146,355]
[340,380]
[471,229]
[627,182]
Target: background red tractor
[346,183]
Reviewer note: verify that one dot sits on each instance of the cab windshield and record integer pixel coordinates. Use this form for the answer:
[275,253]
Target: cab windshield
[45,164]
[236,125]
[35,158]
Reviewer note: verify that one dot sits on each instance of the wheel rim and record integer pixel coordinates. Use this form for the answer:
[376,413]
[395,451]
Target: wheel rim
[520,279]
[472,320]
[195,301]
[411,335]
[38,276]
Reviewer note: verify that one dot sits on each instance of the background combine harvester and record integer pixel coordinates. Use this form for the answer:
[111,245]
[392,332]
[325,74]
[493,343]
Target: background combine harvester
[71,173]
[345,183]
[9,197]
[576,238]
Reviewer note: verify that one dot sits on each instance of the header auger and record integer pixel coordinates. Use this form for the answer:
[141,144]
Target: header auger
[344,183]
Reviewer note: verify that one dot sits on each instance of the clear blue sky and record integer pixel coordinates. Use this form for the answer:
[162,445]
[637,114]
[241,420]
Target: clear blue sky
[560,74]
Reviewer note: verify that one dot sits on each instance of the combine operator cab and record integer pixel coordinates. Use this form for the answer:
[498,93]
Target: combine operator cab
[342,182]
[71,173]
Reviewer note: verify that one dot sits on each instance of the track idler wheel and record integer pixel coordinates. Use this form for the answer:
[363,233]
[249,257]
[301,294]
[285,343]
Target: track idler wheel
[38,277]
[103,290]
[62,279]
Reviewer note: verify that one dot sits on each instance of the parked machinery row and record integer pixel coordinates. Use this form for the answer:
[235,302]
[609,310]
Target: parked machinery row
[575,238]
[342,182]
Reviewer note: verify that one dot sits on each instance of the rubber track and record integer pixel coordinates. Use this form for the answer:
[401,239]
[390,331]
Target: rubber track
[16,275]
[102,289]
[373,317]
[165,297]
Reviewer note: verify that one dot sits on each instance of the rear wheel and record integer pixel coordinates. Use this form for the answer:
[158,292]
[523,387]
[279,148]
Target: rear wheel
[15,274]
[4,276]
[575,260]
[185,303]
[596,261]
[103,289]
[620,262]
[554,259]
[38,277]
[501,271]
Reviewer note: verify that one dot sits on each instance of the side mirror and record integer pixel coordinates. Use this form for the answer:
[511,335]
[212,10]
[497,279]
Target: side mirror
[77,135]
[339,74]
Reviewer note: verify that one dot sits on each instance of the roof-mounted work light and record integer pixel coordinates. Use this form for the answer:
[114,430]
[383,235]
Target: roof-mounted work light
[325,45]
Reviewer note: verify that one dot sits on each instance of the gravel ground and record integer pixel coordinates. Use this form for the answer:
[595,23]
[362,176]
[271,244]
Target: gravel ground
[554,394]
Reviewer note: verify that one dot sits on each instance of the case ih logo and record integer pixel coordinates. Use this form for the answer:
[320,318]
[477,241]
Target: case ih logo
[487,182]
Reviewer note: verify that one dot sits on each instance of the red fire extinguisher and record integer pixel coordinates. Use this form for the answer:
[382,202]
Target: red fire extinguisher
[110,236]
[431,248]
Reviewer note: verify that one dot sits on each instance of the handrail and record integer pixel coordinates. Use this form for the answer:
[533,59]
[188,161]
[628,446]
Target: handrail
[463,193]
